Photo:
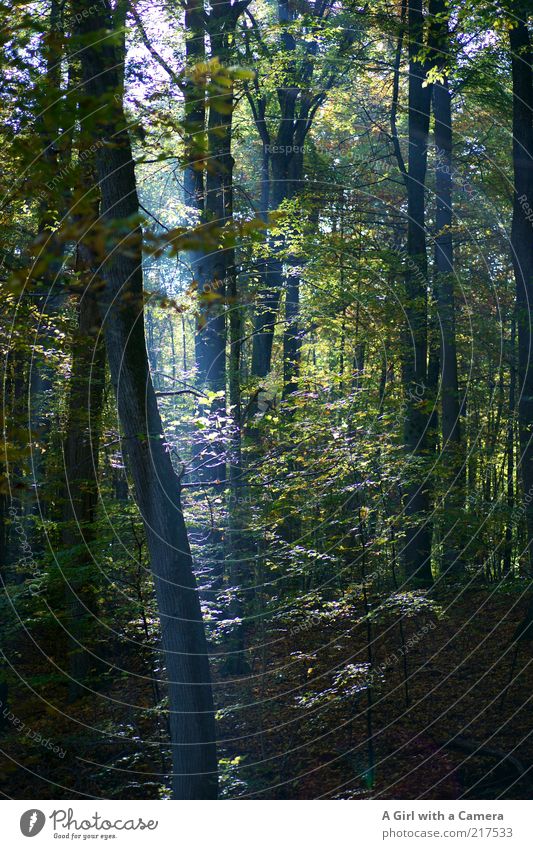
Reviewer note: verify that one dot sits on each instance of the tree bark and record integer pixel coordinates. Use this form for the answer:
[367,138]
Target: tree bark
[417,546]
[452,454]
[522,249]
[214,266]
[81,485]
[49,251]
[284,155]
[81,443]
[157,488]
[508,548]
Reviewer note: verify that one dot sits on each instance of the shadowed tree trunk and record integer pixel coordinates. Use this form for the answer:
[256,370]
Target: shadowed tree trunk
[283,153]
[522,248]
[49,250]
[81,445]
[511,428]
[417,547]
[193,89]
[157,488]
[286,179]
[291,335]
[522,253]
[210,264]
[81,491]
[213,267]
[452,454]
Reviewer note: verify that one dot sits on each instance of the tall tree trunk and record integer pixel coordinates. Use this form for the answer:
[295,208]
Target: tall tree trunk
[508,549]
[291,336]
[236,551]
[522,247]
[49,250]
[452,454]
[215,264]
[271,272]
[194,96]
[157,488]
[285,157]
[280,275]
[417,547]
[81,485]
[193,90]
[81,444]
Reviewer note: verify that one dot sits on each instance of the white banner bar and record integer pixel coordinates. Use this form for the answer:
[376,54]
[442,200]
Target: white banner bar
[258,824]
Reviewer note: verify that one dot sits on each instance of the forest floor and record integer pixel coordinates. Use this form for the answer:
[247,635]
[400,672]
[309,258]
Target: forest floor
[424,736]
[289,729]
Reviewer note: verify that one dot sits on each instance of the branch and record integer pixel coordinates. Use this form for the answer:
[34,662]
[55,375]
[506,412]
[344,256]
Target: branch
[259,119]
[395,98]
[257,32]
[170,392]
[178,380]
[240,7]
[151,49]
[156,219]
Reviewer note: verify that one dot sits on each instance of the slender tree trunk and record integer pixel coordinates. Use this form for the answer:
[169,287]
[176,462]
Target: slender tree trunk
[291,336]
[452,454]
[211,266]
[508,550]
[236,549]
[157,488]
[417,547]
[287,172]
[194,100]
[49,250]
[271,271]
[81,485]
[522,248]
[194,92]
[285,157]
[266,316]
[81,445]
[215,266]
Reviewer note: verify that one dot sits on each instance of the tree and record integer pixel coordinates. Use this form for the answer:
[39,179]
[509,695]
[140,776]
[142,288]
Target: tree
[301,87]
[157,487]
[522,243]
[417,547]
[81,444]
[452,454]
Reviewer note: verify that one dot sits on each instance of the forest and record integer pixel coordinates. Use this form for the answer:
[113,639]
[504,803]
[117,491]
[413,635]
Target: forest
[266,478]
